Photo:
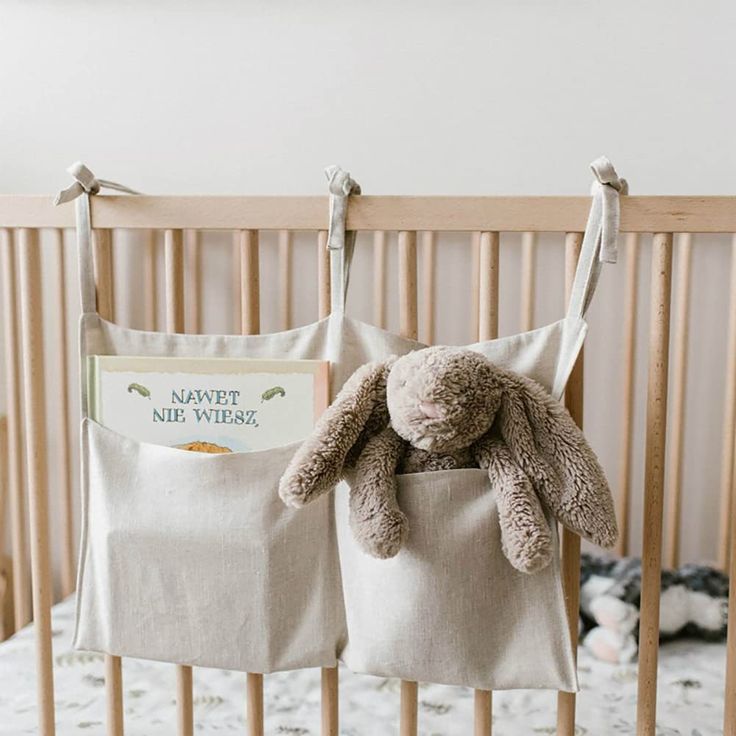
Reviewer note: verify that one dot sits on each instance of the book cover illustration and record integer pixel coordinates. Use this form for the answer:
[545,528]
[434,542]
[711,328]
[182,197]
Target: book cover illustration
[208,404]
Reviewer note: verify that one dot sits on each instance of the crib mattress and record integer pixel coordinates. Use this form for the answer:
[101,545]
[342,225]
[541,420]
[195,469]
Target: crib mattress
[690,696]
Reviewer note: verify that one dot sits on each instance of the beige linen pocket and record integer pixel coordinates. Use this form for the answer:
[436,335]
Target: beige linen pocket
[192,558]
[449,608]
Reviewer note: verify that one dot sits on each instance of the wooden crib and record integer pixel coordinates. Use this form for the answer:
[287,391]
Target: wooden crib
[31,227]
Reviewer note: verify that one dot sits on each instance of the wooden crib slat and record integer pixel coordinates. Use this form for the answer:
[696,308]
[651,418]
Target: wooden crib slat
[323,275]
[330,702]
[114,701]
[474,285]
[250,283]
[728,452]
[379,278]
[570,564]
[193,273]
[408,329]
[330,683]
[408,284]
[64,467]
[676,445]
[104,273]
[488,244]
[630,299]
[286,247]
[113,665]
[174,275]
[235,268]
[656,423]
[429,284]
[150,279]
[249,298]
[408,719]
[528,280]
[729,714]
[16,495]
[31,289]
[488,300]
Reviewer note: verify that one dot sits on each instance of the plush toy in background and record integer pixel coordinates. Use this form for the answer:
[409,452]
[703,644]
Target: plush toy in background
[446,408]
[694,603]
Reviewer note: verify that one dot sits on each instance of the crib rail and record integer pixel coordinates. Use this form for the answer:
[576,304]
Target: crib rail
[420,224]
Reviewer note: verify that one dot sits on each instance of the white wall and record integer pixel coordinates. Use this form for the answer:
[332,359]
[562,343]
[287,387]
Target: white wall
[413,97]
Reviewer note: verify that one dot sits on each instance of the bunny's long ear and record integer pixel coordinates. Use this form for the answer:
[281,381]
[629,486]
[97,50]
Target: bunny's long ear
[358,412]
[555,455]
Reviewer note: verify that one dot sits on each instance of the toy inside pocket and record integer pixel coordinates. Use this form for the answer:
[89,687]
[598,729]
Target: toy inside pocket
[450,608]
[191,558]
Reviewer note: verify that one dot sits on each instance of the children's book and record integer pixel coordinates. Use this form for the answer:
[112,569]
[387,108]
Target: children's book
[208,404]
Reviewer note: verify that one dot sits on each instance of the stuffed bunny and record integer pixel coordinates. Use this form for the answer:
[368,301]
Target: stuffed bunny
[444,408]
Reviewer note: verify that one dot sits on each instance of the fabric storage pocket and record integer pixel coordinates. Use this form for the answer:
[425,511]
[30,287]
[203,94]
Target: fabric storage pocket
[192,558]
[449,608]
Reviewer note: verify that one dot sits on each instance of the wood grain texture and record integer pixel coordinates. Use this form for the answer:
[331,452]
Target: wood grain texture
[379,278]
[474,286]
[104,270]
[250,283]
[488,286]
[409,707]
[656,430]
[13,389]
[254,703]
[728,451]
[528,282]
[330,702]
[324,280]
[429,286]
[150,279]
[628,361]
[286,287]
[676,444]
[34,403]
[408,285]
[463,214]
[570,564]
[63,470]
[114,699]
[193,279]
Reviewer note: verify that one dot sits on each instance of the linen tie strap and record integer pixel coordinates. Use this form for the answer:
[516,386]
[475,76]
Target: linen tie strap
[340,243]
[85,185]
[600,242]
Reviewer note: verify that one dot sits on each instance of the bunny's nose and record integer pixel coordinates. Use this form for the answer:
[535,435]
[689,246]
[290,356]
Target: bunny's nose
[430,410]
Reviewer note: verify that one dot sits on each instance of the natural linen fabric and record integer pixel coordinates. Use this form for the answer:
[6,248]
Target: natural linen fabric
[190,558]
[449,607]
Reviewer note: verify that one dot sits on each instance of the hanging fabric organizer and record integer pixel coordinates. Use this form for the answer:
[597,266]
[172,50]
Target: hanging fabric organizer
[192,558]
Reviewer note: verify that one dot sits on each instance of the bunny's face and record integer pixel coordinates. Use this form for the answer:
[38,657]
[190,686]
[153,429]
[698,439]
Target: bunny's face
[442,399]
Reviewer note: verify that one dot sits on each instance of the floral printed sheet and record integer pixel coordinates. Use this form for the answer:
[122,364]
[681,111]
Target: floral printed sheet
[690,696]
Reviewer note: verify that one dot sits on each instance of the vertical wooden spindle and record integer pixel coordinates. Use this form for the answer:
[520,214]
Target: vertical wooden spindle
[528,280]
[631,283]
[13,385]
[570,564]
[34,386]
[379,279]
[64,468]
[103,287]
[488,330]
[104,269]
[474,285]
[174,274]
[235,269]
[323,275]
[193,271]
[679,380]
[429,284]
[150,279]
[285,278]
[250,283]
[408,284]
[728,452]
[249,292]
[408,328]
[330,683]
[656,424]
